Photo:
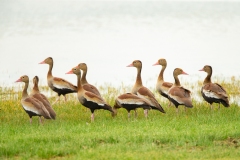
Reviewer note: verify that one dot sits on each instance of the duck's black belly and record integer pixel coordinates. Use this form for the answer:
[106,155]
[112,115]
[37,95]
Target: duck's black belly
[176,103]
[30,113]
[134,106]
[63,91]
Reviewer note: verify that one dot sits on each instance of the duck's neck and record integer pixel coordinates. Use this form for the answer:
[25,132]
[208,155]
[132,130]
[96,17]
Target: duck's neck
[49,74]
[24,92]
[35,87]
[208,78]
[139,78]
[160,77]
[79,84]
[138,83]
[84,79]
[177,82]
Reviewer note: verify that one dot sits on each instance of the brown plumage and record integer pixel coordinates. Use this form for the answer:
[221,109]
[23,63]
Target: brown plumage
[179,95]
[162,86]
[130,102]
[31,105]
[213,92]
[58,85]
[143,91]
[41,97]
[89,99]
[85,84]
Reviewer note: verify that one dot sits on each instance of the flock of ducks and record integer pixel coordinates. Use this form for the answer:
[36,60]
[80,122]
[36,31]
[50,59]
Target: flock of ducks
[37,104]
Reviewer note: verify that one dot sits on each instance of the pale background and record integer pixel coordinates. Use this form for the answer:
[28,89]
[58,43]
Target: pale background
[109,35]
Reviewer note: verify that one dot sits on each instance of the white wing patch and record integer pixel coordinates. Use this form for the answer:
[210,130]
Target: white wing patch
[60,86]
[31,109]
[177,99]
[140,103]
[130,102]
[210,94]
[99,103]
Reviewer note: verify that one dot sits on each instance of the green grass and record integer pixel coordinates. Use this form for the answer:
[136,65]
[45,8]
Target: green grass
[198,133]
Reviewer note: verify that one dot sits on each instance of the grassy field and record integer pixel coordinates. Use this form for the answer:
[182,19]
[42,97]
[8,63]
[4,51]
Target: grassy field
[198,133]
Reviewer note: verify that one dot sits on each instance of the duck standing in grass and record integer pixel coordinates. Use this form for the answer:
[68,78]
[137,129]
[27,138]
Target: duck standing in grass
[89,99]
[162,86]
[31,105]
[41,97]
[130,102]
[87,86]
[58,85]
[213,92]
[179,95]
[143,91]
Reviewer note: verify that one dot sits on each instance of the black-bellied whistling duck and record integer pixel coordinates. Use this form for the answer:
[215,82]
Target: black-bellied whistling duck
[59,85]
[179,95]
[213,92]
[89,99]
[130,102]
[41,97]
[142,91]
[85,84]
[162,86]
[31,105]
